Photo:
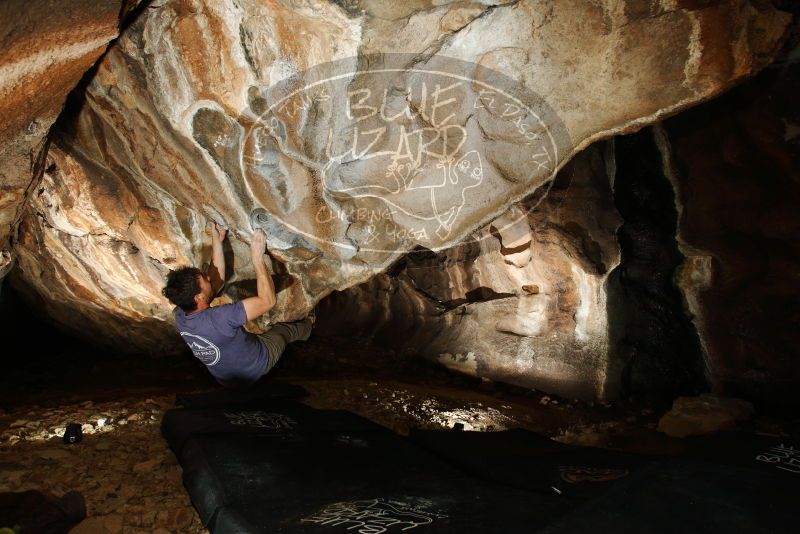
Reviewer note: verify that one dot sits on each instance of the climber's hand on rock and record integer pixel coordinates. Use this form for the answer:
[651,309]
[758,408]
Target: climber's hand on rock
[217,232]
[258,243]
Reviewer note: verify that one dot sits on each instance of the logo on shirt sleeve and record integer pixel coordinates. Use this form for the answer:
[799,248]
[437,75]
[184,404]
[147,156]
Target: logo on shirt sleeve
[203,349]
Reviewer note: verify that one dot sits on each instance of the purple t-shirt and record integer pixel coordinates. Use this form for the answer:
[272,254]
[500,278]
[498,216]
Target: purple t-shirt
[236,358]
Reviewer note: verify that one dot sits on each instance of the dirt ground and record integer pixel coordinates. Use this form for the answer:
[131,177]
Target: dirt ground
[132,483]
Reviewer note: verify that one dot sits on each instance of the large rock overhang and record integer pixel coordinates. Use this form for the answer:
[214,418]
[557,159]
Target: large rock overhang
[161,145]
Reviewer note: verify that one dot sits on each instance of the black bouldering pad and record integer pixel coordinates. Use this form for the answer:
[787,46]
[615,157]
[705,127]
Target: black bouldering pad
[529,461]
[280,419]
[689,495]
[285,467]
[728,482]
[252,485]
[752,451]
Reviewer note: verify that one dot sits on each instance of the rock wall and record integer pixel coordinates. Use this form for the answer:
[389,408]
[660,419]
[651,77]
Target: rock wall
[698,291]
[577,298]
[735,165]
[655,350]
[205,110]
[45,48]
[523,300]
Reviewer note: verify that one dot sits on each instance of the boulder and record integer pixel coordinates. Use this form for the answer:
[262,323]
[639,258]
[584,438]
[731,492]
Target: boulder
[46,47]
[706,414]
[364,130]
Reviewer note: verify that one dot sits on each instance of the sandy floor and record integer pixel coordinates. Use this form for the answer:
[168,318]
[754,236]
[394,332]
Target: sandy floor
[127,475]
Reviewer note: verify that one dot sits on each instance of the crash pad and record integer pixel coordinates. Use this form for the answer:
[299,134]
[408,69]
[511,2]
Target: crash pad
[685,494]
[529,461]
[280,466]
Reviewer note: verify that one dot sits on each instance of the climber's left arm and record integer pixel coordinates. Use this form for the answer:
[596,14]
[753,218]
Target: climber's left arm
[216,271]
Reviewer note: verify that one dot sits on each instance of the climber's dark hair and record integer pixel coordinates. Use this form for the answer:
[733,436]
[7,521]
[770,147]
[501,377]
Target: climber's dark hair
[182,286]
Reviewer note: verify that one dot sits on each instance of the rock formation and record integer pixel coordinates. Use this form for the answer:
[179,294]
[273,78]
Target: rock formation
[523,300]
[45,49]
[735,163]
[706,414]
[205,110]
[693,285]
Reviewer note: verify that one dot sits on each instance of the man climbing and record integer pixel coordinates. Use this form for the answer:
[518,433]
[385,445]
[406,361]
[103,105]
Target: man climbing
[234,357]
